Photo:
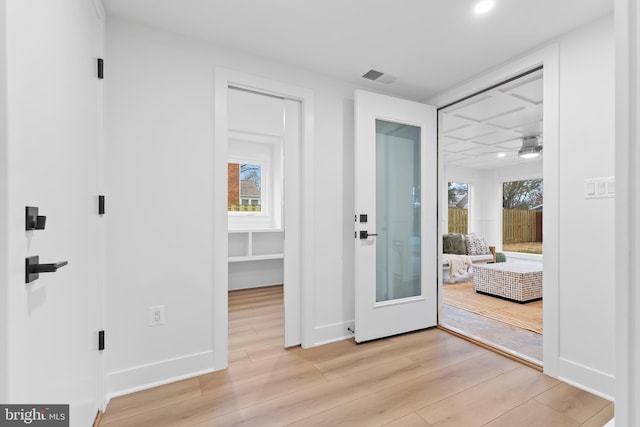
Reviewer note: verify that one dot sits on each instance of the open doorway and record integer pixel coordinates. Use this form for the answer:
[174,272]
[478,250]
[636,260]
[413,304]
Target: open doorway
[297,208]
[261,130]
[491,151]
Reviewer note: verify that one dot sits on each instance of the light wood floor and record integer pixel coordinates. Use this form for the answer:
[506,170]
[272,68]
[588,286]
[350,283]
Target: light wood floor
[428,378]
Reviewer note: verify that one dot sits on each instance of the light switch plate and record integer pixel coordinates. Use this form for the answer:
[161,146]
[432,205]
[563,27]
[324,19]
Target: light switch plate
[600,188]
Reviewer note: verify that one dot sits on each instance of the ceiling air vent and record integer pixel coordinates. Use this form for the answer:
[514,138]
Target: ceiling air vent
[372,75]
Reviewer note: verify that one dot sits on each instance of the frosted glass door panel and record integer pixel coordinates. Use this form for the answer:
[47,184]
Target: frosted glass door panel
[397,211]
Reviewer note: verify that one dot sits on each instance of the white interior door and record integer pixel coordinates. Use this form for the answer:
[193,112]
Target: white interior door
[396,216]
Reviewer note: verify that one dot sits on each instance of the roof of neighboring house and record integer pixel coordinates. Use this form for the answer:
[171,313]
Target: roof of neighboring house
[537,208]
[462,201]
[249,188]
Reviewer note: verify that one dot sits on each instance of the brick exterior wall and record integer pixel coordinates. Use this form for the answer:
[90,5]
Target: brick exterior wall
[234,184]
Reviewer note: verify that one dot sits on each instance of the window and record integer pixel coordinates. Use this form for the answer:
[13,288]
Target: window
[458,202]
[245,188]
[522,216]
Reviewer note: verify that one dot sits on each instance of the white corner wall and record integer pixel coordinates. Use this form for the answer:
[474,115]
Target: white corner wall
[587,248]
[159,136]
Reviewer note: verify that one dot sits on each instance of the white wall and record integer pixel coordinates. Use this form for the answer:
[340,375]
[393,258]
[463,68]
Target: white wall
[587,148]
[255,274]
[53,145]
[159,126]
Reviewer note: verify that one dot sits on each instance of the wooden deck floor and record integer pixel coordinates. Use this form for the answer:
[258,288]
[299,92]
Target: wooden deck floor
[520,341]
[427,378]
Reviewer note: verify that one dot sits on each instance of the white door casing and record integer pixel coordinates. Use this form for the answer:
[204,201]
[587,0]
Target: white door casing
[298,303]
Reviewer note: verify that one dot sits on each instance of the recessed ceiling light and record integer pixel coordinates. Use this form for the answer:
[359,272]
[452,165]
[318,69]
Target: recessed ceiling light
[484,6]
[502,154]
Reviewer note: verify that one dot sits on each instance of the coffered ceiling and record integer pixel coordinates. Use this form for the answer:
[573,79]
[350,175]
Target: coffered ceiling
[485,131]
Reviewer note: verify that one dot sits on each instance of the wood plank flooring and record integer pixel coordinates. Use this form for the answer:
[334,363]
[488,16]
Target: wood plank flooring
[427,378]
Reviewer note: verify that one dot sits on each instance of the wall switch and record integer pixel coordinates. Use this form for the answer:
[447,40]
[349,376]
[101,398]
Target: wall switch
[600,188]
[156,315]
[611,186]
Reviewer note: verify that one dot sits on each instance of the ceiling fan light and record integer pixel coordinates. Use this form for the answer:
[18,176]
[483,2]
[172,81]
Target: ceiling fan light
[530,147]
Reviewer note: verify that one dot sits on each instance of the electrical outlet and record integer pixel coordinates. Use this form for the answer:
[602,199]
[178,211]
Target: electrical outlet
[156,315]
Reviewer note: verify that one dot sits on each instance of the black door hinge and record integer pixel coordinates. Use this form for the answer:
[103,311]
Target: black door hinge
[100,340]
[100,205]
[100,68]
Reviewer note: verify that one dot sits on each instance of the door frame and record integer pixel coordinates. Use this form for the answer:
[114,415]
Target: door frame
[4,208]
[223,78]
[547,57]
[103,398]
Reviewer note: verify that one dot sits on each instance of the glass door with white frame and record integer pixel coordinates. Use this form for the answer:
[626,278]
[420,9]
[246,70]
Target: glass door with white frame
[395,233]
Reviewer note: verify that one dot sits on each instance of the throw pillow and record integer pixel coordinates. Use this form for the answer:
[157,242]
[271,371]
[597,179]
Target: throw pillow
[476,245]
[453,244]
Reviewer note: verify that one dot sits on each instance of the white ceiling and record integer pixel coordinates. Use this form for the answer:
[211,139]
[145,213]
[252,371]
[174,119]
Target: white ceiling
[423,46]
[474,132]
[426,45]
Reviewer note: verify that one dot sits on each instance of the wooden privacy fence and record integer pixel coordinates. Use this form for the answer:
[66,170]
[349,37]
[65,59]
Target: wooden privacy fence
[519,226]
[245,208]
[458,220]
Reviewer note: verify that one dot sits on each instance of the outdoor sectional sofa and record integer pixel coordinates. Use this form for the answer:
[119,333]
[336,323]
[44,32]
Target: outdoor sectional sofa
[471,245]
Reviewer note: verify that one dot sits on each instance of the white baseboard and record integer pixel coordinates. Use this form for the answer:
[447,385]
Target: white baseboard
[154,374]
[238,287]
[326,334]
[586,378]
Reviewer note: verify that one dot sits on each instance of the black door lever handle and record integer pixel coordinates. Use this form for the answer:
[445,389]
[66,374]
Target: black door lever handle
[48,268]
[33,268]
[365,234]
